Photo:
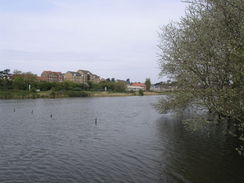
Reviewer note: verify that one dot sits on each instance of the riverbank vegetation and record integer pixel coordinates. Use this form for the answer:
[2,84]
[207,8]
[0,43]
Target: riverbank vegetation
[204,54]
[28,81]
[23,94]
[21,85]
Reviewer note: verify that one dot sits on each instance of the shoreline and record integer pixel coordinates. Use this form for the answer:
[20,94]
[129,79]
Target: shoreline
[5,95]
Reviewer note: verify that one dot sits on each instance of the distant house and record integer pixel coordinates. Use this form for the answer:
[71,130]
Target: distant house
[73,77]
[51,76]
[81,76]
[95,78]
[39,78]
[136,87]
[88,76]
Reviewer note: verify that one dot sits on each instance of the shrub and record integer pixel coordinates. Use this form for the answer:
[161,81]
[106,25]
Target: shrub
[77,94]
[141,93]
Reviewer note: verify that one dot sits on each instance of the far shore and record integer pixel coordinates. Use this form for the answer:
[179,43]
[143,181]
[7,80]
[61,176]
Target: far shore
[19,94]
[118,94]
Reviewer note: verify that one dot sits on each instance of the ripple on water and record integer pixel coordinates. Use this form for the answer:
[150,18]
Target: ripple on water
[130,143]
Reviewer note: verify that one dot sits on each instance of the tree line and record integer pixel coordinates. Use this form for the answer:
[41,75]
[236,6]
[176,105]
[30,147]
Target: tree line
[22,80]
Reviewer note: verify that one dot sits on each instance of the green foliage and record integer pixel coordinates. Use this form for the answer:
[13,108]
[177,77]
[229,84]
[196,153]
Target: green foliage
[5,83]
[140,92]
[5,95]
[18,94]
[148,84]
[132,92]
[112,86]
[77,94]
[21,81]
[16,85]
[204,54]
[19,84]
[5,74]
[120,86]
[176,102]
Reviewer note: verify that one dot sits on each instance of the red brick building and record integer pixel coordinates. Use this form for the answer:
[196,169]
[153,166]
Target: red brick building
[51,76]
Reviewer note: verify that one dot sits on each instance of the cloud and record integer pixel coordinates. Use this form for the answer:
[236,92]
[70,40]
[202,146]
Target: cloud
[104,36]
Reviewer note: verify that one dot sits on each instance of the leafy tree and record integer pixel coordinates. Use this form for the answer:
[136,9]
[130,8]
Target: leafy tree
[148,84]
[128,80]
[17,72]
[120,86]
[92,86]
[21,80]
[19,83]
[5,74]
[203,53]
[140,92]
[5,82]
[44,85]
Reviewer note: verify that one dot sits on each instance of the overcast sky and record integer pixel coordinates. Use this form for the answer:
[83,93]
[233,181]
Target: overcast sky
[111,38]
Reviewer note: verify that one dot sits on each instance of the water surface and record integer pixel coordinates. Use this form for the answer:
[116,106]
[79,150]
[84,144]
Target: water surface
[60,142]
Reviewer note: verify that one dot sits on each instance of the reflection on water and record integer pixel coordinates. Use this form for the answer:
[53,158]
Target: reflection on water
[131,142]
[197,156]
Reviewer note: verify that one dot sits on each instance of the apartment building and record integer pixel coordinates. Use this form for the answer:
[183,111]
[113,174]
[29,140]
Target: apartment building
[51,76]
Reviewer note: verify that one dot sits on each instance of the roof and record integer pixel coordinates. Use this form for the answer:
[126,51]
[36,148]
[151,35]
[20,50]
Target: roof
[51,72]
[85,71]
[74,73]
[138,84]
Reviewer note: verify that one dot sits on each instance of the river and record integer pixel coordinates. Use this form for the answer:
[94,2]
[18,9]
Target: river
[108,139]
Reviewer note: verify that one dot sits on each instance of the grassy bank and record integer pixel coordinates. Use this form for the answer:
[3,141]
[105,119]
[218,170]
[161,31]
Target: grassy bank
[117,94]
[21,94]
[13,94]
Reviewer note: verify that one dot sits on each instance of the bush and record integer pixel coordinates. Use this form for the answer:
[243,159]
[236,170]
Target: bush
[76,89]
[77,94]
[141,93]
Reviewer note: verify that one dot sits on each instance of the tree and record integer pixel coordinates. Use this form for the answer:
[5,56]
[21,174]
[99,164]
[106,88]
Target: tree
[120,86]
[21,80]
[128,81]
[19,83]
[203,53]
[140,92]
[17,72]
[5,74]
[5,82]
[148,84]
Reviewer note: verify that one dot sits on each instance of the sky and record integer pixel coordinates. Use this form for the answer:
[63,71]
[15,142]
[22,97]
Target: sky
[111,38]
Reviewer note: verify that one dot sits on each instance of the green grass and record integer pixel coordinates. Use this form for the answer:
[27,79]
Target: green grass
[21,94]
[17,94]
